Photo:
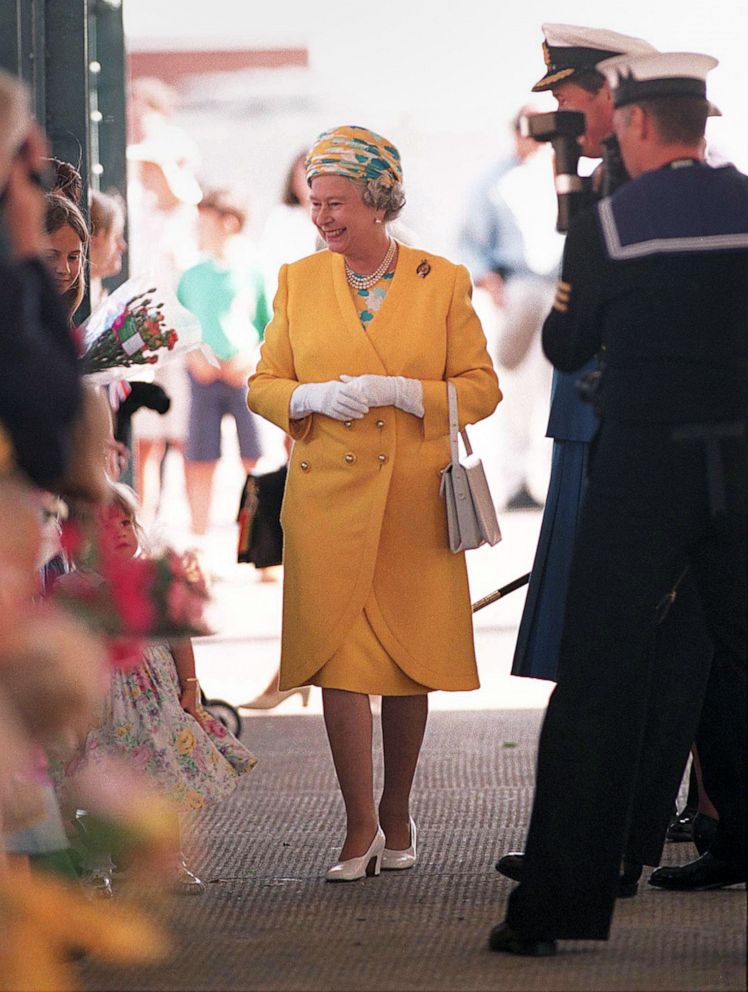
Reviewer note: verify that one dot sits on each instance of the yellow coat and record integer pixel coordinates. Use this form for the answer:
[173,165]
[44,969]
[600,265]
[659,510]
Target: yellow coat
[362,512]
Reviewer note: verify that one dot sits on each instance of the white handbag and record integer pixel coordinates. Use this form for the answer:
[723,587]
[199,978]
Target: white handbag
[471,514]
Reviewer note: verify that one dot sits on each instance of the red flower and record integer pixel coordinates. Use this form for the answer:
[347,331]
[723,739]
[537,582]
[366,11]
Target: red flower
[130,584]
[125,652]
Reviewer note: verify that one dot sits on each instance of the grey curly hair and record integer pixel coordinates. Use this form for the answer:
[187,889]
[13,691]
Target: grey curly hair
[379,196]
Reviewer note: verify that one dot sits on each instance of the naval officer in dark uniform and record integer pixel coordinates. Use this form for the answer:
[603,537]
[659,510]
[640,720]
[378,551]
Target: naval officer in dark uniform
[655,282]
[681,640]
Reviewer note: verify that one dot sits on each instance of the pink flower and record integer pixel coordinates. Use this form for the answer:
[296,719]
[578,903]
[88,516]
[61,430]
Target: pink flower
[125,653]
[139,757]
[71,538]
[182,606]
[216,728]
[119,321]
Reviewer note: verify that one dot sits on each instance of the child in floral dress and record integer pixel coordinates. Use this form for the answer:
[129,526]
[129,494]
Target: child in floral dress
[153,719]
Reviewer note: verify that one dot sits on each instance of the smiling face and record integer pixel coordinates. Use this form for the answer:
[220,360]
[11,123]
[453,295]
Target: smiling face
[598,114]
[118,536]
[64,257]
[342,218]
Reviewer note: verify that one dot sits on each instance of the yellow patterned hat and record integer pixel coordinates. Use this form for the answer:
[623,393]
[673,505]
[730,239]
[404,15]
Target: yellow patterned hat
[355,153]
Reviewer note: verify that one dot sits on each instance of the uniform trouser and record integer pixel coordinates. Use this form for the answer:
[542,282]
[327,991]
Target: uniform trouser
[646,515]
[680,668]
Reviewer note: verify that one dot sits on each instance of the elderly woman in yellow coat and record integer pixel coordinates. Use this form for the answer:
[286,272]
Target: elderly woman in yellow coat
[354,366]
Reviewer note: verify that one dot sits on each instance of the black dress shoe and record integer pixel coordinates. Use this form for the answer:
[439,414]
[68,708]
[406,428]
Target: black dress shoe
[704,831]
[511,865]
[628,882]
[503,938]
[707,872]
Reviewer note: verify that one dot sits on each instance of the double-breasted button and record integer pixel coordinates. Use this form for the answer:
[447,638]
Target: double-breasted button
[349,457]
[348,424]
[380,424]
[304,466]
[382,458]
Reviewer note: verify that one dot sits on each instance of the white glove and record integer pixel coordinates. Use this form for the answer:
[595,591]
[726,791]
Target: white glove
[333,399]
[388,390]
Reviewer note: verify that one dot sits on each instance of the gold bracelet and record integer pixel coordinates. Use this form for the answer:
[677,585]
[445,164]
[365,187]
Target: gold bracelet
[192,679]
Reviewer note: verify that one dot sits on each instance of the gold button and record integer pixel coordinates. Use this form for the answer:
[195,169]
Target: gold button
[382,458]
[349,457]
[304,466]
[380,424]
[348,424]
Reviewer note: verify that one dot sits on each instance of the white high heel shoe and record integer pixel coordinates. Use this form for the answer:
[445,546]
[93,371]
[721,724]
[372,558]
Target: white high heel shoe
[270,699]
[355,868]
[400,860]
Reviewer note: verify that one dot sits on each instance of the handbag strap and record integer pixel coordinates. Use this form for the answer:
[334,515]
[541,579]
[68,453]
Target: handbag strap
[454,425]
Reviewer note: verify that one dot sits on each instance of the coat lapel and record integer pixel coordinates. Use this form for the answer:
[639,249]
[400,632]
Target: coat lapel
[385,340]
[388,333]
[350,318]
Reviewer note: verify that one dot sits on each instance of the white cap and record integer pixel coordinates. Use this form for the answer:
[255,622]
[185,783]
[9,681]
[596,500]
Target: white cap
[569,49]
[171,149]
[641,77]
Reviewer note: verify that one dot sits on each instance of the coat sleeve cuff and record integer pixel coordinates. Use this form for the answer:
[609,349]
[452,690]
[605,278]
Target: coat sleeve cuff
[435,410]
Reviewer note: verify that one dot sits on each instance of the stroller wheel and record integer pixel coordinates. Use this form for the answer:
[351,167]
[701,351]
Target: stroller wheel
[226,713]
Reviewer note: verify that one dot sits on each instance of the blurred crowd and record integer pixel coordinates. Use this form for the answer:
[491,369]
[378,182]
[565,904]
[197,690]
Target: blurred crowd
[104,739]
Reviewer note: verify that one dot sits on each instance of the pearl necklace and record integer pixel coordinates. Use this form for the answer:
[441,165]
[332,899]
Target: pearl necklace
[357,281]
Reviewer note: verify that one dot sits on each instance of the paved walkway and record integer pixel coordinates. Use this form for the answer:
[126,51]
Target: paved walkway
[268,920]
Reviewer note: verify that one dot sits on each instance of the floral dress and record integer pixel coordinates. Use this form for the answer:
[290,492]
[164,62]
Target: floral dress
[192,763]
[369,301]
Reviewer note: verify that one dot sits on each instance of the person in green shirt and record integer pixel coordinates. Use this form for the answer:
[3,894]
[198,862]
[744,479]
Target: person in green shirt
[227,295]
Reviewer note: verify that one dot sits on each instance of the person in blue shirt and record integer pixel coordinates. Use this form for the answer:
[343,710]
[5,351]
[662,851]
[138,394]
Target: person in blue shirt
[227,295]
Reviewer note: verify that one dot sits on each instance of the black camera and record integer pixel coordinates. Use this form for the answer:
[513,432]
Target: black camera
[562,128]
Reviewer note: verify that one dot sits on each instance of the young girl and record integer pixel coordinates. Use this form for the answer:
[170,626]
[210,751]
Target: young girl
[153,718]
[67,237]
[107,212]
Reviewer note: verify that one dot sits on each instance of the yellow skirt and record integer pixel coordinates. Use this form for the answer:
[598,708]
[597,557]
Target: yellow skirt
[361,664]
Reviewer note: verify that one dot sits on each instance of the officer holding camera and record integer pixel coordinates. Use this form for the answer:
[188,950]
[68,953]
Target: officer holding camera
[571,54]
[654,278]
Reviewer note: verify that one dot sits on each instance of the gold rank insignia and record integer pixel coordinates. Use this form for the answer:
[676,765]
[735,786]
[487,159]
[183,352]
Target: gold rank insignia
[547,55]
[563,295]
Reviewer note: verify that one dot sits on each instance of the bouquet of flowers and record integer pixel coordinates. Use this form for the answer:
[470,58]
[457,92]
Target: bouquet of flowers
[162,597]
[136,326]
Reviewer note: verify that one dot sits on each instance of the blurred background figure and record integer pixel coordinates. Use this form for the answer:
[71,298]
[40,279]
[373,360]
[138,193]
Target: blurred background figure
[509,242]
[108,245]
[288,234]
[162,198]
[227,294]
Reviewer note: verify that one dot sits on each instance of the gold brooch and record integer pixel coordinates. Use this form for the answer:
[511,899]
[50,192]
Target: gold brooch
[423,268]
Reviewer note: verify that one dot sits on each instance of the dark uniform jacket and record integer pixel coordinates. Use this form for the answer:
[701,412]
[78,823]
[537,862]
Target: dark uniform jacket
[655,281]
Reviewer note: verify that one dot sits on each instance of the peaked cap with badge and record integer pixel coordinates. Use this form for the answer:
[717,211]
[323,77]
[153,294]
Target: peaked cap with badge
[570,50]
